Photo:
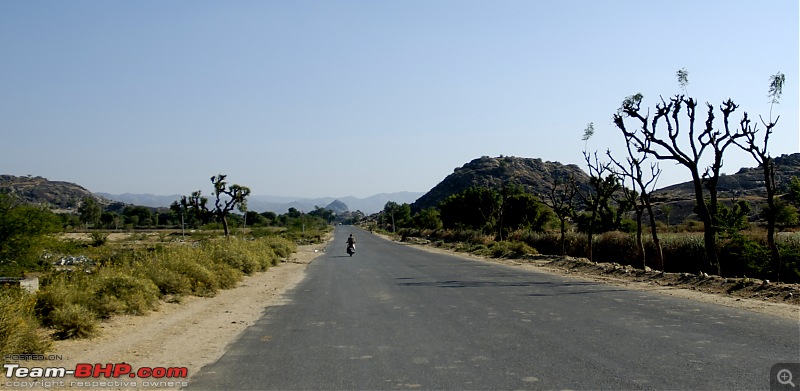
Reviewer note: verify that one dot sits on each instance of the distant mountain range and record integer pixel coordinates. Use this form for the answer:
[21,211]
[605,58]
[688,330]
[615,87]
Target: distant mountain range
[534,175]
[278,204]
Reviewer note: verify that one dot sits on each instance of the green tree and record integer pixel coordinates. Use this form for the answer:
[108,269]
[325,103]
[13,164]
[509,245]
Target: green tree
[323,213]
[23,230]
[397,215]
[89,212]
[786,214]
[192,210]
[255,219]
[474,208]
[270,217]
[729,221]
[429,218]
[520,210]
[138,215]
[110,219]
[793,194]
[227,199]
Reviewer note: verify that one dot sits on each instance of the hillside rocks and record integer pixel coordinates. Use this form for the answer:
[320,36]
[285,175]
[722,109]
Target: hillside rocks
[535,175]
[53,194]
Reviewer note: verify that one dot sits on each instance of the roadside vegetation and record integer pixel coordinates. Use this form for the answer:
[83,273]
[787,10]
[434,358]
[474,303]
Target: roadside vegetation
[607,220]
[90,274]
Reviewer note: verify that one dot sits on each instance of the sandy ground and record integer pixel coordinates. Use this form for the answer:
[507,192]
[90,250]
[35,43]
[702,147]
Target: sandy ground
[197,331]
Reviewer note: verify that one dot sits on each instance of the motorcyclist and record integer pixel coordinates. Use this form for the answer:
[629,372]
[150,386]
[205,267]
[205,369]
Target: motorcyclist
[351,242]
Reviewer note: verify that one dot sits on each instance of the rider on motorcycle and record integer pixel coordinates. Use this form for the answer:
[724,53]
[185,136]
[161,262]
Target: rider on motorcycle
[351,242]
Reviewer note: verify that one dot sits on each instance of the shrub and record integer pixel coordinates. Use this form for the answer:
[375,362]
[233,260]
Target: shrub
[743,256]
[61,305]
[168,280]
[19,331]
[99,238]
[131,280]
[58,291]
[203,281]
[683,252]
[226,276]
[122,291]
[281,247]
[615,246]
[73,321]
[790,260]
[506,249]
[234,253]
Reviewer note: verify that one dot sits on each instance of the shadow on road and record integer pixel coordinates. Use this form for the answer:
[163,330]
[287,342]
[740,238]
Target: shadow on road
[554,288]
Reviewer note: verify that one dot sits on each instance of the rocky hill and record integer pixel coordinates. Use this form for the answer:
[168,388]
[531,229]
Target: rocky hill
[57,195]
[337,207]
[675,202]
[747,184]
[535,175]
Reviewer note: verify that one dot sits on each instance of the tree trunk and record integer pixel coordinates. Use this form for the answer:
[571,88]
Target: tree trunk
[769,181]
[225,225]
[589,245]
[709,234]
[639,242]
[659,261]
[563,235]
[710,243]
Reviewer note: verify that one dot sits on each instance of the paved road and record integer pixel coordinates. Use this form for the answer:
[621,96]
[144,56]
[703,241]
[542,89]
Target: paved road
[394,317]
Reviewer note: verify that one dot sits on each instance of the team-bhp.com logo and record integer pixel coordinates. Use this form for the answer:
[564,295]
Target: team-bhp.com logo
[90,375]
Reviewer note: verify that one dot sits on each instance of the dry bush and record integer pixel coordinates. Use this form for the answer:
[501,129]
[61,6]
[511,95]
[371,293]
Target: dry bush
[60,305]
[19,328]
[132,280]
[121,291]
[73,320]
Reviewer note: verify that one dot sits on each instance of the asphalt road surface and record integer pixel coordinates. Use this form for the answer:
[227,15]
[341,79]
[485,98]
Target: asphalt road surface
[395,317]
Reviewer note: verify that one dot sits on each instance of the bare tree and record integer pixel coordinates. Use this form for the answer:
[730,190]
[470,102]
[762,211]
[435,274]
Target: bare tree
[560,200]
[647,139]
[646,184]
[604,184]
[760,152]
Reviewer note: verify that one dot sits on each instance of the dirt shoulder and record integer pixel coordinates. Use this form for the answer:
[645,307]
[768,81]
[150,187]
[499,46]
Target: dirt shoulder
[191,334]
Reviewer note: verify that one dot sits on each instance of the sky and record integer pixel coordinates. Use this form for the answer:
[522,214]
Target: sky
[339,97]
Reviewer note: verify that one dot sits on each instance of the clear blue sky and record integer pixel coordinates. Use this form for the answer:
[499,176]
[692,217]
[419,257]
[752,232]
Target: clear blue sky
[335,98]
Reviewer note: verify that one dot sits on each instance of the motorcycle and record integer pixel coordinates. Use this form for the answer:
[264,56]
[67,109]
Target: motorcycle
[351,249]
